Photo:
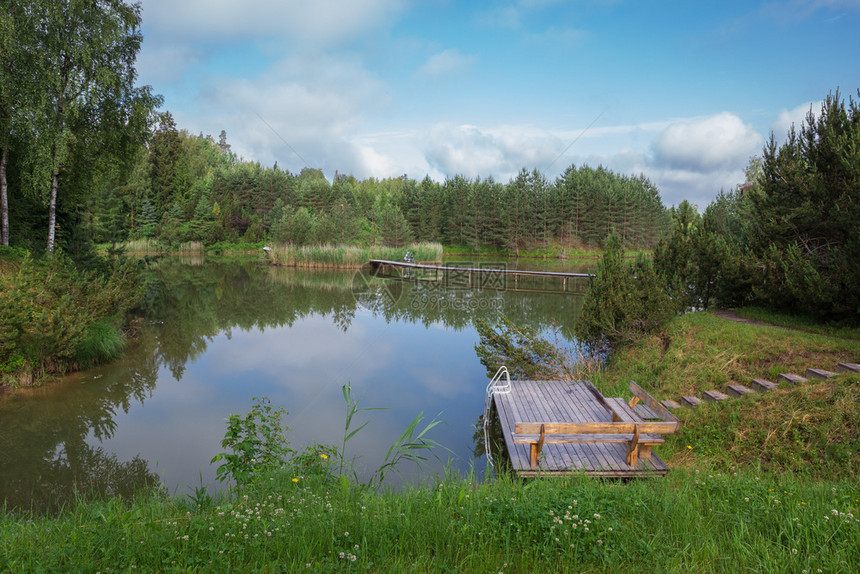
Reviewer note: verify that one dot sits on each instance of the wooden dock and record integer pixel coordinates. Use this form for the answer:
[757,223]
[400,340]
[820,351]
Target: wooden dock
[603,434]
[482,277]
[377,263]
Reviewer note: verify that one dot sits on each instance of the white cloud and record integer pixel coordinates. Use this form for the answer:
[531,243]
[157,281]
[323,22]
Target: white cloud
[794,117]
[445,62]
[314,104]
[707,145]
[159,63]
[499,152]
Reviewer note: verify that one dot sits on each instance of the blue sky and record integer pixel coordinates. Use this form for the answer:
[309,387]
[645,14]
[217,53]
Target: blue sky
[684,92]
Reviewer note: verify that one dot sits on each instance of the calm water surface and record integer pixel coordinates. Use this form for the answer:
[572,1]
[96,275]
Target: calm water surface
[216,333]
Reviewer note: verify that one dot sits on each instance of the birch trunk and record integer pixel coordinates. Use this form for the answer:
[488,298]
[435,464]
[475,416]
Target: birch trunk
[4,200]
[52,209]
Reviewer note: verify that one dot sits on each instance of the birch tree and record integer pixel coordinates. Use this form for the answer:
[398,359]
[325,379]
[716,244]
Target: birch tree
[88,98]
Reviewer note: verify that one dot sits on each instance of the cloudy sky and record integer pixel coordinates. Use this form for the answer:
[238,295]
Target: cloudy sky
[682,91]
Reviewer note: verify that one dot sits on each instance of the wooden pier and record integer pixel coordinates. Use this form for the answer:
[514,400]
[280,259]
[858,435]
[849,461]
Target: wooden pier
[476,277]
[566,427]
[377,263]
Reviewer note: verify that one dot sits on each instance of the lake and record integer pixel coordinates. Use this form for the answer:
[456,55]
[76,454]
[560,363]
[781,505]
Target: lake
[217,332]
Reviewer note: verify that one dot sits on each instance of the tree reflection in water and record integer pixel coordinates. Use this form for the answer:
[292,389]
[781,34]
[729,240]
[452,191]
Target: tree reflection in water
[51,437]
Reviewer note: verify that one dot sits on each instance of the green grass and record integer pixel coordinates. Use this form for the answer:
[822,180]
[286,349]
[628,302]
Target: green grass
[235,247]
[694,520]
[802,323]
[153,246]
[699,352]
[350,256]
[812,429]
[103,342]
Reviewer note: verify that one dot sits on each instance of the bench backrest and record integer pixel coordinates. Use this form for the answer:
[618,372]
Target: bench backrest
[652,403]
[664,427]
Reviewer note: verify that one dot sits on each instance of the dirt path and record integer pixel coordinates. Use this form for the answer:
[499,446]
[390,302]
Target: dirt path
[730,315]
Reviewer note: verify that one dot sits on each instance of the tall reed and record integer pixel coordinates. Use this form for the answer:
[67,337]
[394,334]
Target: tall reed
[349,256]
[144,245]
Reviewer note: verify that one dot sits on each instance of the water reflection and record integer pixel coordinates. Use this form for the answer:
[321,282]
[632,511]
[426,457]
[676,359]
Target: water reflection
[217,333]
[47,456]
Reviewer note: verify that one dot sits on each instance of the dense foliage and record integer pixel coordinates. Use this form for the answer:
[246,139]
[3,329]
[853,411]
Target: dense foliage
[789,238]
[56,317]
[70,114]
[623,303]
[192,188]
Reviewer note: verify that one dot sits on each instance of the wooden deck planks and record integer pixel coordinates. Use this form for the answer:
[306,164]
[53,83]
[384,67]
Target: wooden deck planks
[584,455]
[563,401]
[593,411]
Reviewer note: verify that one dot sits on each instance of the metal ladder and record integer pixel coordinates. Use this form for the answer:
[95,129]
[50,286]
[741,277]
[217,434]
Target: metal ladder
[495,386]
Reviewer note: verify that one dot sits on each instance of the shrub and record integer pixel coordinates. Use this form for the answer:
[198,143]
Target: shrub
[56,316]
[623,302]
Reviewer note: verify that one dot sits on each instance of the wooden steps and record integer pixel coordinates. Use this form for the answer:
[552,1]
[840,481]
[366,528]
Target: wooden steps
[690,401]
[763,385]
[714,396]
[792,378]
[738,391]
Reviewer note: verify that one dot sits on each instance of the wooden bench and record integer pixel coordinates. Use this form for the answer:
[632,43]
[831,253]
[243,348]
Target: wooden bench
[627,426]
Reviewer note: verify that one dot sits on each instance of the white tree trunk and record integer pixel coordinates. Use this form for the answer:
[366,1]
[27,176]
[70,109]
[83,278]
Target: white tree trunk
[52,209]
[4,200]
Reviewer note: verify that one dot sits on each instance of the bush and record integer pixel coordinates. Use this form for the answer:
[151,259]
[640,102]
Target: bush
[56,317]
[624,302]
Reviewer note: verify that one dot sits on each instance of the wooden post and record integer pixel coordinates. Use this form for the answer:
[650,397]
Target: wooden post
[536,447]
[633,448]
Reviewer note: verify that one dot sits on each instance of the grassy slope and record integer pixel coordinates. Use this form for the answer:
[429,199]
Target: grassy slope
[812,429]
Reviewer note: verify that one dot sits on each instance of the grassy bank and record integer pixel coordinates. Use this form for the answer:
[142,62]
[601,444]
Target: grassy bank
[58,318]
[700,351]
[350,256]
[691,521]
[152,246]
[812,428]
[800,323]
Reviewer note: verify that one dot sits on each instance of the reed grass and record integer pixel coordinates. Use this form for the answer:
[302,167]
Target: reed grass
[103,342]
[147,245]
[349,256]
[191,247]
[144,245]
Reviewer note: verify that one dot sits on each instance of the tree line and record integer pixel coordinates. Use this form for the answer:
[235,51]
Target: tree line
[86,156]
[184,187]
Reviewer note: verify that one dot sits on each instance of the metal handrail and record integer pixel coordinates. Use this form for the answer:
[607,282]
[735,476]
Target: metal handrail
[493,387]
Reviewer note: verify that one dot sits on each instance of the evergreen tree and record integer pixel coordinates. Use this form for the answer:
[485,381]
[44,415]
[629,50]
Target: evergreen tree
[164,152]
[806,211]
